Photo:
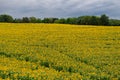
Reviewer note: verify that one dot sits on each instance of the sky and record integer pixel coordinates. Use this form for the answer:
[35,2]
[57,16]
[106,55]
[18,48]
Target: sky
[60,8]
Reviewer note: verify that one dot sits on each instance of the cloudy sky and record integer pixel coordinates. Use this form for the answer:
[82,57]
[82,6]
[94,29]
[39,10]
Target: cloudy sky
[60,8]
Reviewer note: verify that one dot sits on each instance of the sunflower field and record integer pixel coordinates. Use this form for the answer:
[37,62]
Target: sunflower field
[59,52]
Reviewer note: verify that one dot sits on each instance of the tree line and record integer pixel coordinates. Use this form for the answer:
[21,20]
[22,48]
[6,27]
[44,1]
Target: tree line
[82,20]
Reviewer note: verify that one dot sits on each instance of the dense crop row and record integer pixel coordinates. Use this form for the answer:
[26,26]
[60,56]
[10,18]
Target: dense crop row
[59,52]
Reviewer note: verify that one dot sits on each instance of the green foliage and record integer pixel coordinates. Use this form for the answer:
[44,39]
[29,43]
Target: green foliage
[5,54]
[71,20]
[3,75]
[45,64]
[58,68]
[27,58]
[94,20]
[82,20]
[25,20]
[33,19]
[10,75]
[114,22]
[98,77]
[25,78]
[6,18]
[38,20]
[17,20]
[62,21]
[49,20]
[104,20]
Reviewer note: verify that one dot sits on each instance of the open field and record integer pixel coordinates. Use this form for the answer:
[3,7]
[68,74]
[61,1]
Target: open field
[59,52]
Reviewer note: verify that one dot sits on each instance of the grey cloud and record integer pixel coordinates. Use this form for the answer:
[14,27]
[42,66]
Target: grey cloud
[60,8]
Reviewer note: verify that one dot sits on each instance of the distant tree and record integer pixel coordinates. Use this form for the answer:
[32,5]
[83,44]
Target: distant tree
[49,20]
[38,20]
[104,20]
[94,20]
[78,21]
[25,20]
[17,20]
[6,18]
[114,22]
[71,20]
[82,20]
[85,20]
[45,20]
[62,21]
[32,19]
[54,19]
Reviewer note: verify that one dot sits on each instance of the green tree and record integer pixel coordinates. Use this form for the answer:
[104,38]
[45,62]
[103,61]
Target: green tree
[49,20]
[25,20]
[114,22]
[85,20]
[45,20]
[6,18]
[38,20]
[78,21]
[104,20]
[94,20]
[33,19]
[62,21]
[17,20]
[71,20]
